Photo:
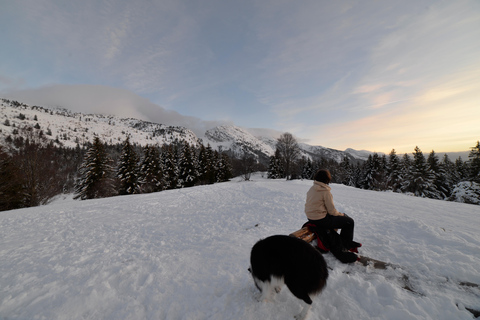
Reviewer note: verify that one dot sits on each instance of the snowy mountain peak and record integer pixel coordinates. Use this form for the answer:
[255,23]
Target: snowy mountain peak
[238,140]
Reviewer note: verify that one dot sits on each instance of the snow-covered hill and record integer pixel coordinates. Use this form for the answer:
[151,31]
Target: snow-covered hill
[184,254]
[239,140]
[71,128]
[68,128]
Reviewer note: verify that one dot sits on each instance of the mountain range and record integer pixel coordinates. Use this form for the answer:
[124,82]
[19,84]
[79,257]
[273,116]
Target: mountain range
[69,129]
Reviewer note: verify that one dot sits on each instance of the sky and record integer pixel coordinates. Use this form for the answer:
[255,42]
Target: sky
[368,75]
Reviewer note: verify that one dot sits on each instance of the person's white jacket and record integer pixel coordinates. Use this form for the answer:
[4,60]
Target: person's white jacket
[320,202]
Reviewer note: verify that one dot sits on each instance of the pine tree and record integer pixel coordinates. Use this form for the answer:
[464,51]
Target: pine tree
[421,177]
[474,162]
[383,172]
[277,166]
[307,170]
[461,170]
[170,167]
[202,164]
[441,190]
[11,183]
[272,171]
[151,171]
[373,173]
[224,168]
[450,174]
[406,168]
[128,171]
[95,174]
[207,165]
[356,177]
[187,168]
[216,165]
[393,172]
[344,174]
[368,173]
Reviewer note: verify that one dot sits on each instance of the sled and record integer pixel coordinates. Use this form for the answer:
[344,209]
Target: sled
[304,234]
[308,236]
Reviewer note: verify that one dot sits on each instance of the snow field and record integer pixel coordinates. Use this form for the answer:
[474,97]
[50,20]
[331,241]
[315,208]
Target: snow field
[184,254]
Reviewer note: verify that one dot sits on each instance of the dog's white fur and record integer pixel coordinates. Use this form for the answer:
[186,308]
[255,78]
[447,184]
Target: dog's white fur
[270,288]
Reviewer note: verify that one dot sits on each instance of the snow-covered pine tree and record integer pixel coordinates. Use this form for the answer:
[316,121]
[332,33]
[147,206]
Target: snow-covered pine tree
[421,177]
[449,168]
[307,170]
[466,192]
[128,170]
[280,165]
[442,189]
[224,168]
[151,170]
[368,173]
[383,172]
[95,175]
[344,173]
[207,165]
[393,172]
[272,171]
[373,173]
[202,163]
[406,167]
[187,167]
[274,167]
[170,168]
[356,176]
[216,165]
[461,170]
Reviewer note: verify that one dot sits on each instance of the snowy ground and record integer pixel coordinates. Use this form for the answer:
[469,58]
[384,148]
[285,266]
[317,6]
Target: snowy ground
[184,254]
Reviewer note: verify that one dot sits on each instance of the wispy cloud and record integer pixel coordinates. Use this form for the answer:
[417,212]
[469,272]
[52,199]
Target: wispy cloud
[308,68]
[108,100]
[421,67]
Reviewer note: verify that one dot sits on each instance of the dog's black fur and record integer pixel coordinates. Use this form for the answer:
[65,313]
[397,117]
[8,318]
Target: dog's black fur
[299,264]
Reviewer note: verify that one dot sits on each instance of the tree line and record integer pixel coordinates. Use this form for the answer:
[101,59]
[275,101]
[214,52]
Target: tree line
[416,174]
[33,170]
[160,168]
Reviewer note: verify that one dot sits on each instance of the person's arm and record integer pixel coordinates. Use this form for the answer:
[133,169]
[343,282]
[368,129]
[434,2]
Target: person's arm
[330,206]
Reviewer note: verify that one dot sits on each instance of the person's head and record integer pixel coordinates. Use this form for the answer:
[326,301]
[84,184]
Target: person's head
[323,175]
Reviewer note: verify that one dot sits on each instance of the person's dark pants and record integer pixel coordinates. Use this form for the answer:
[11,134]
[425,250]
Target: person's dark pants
[345,223]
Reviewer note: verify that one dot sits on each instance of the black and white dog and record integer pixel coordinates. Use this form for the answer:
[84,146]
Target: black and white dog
[279,260]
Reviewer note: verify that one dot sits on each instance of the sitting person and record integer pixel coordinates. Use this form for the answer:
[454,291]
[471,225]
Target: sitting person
[321,213]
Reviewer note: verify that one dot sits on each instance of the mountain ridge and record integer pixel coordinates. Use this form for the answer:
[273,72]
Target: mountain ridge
[69,129]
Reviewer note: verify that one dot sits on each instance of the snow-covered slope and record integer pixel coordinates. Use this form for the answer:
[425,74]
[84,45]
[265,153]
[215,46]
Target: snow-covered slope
[71,128]
[184,254]
[238,140]
[328,153]
[359,154]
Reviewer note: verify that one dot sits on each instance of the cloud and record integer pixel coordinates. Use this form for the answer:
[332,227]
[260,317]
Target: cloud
[108,100]
[296,68]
